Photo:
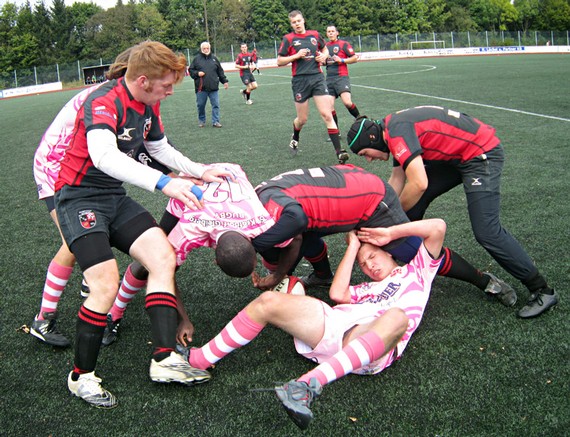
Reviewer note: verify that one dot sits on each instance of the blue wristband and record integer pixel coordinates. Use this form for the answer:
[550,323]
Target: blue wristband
[197,192]
[163,181]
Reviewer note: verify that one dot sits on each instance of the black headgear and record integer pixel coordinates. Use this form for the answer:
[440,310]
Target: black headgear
[366,133]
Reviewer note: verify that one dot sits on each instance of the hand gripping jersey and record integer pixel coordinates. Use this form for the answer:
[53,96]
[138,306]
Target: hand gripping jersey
[438,134]
[54,144]
[335,199]
[293,42]
[343,50]
[110,107]
[229,206]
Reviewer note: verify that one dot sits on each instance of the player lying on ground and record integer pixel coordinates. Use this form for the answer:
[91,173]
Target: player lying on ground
[365,333]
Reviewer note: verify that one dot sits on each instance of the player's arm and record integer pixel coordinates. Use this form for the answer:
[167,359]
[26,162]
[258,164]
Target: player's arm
[416,183]
[287,257]
[397,179]
[185,329]
[340,291]
[432,231]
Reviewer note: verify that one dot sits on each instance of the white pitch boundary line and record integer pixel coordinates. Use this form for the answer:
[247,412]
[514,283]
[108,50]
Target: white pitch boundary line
[445,99]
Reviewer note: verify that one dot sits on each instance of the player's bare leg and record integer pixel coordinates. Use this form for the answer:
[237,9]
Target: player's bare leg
[324,107]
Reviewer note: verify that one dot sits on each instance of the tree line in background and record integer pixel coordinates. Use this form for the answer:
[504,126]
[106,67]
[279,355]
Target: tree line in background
[39,35]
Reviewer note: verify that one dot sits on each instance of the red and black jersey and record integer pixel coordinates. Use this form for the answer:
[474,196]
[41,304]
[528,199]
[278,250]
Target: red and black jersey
[110,107]
[243,60]
[294,42]
[438,134]
[343,50]
[334,199]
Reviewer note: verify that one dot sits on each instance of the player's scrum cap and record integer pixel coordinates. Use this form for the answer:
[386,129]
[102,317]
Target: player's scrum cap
[366,133]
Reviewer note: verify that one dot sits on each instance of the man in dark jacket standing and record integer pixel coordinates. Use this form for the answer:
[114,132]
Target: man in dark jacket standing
[207,73]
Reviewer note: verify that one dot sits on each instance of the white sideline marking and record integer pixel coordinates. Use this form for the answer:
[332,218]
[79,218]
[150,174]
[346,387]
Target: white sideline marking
[501,108]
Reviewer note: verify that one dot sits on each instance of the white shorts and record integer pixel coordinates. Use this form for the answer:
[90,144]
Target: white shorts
[338,320]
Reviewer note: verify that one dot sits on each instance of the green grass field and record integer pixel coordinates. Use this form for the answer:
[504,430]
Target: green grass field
[471,369]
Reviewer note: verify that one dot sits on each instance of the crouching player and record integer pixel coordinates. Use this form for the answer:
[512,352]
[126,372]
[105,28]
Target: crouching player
[368,329]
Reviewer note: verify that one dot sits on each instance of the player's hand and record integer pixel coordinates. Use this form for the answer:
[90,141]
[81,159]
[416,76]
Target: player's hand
[181,189]
[352,239]
[201,74]
[303,52]
[267,282]
[216,175]
[321,57]
[185,332]
[377,236]
[226,85]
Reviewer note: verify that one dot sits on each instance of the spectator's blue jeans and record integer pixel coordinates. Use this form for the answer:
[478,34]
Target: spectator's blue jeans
[201,99]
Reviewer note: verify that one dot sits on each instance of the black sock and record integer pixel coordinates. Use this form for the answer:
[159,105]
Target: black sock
[454,266]
[90,328]
[354,111]
[161,308]
[537,283]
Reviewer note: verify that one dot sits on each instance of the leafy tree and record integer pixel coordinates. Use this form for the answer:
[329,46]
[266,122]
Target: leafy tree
[43,33]
[268,19]
[554,15]
[459,20]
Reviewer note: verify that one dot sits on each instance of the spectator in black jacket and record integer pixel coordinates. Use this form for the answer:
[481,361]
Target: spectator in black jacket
[207,73]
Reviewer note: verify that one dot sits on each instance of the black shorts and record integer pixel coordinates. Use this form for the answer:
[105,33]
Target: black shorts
[308,85]
[50,203]
[247,77]
[338,85]
[82,212]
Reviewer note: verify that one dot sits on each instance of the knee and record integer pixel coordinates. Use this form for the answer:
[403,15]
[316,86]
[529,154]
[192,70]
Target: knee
[267,301]
[398,320]
[163,261]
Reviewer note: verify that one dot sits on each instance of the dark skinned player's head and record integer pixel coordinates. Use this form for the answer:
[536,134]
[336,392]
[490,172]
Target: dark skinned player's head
[235,255]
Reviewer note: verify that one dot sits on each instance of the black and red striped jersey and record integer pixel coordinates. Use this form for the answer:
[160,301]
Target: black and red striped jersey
[243,60]
[438,134]
[294,42]
[110,107]
[343,50]
[334,199]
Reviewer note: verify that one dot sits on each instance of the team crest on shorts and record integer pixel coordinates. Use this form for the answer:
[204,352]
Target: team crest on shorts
[298,97]
[87,218]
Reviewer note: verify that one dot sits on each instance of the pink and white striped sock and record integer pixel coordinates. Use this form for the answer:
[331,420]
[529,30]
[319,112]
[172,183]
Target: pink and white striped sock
[56,280]
[237,333]
[359,352]
[130,286]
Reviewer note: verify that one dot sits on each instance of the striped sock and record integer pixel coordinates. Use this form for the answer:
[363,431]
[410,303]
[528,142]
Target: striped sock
[56,280]
[237,333]
[130,286]
[359,352]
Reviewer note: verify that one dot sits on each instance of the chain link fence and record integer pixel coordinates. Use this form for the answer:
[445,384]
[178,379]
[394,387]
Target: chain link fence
[74,72]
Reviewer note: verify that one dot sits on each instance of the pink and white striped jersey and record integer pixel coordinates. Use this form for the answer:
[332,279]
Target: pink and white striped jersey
[228,206]
[54,144]
[407,287]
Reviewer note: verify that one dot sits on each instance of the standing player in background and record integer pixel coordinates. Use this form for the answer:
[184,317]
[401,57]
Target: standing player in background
[341,54]
[47,164]
[245,63]
[306,51]
[364,334]
[436,149]
[95,213]
[255,59]
[232,215]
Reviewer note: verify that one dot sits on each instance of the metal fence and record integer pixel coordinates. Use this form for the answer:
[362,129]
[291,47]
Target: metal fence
[73,72]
